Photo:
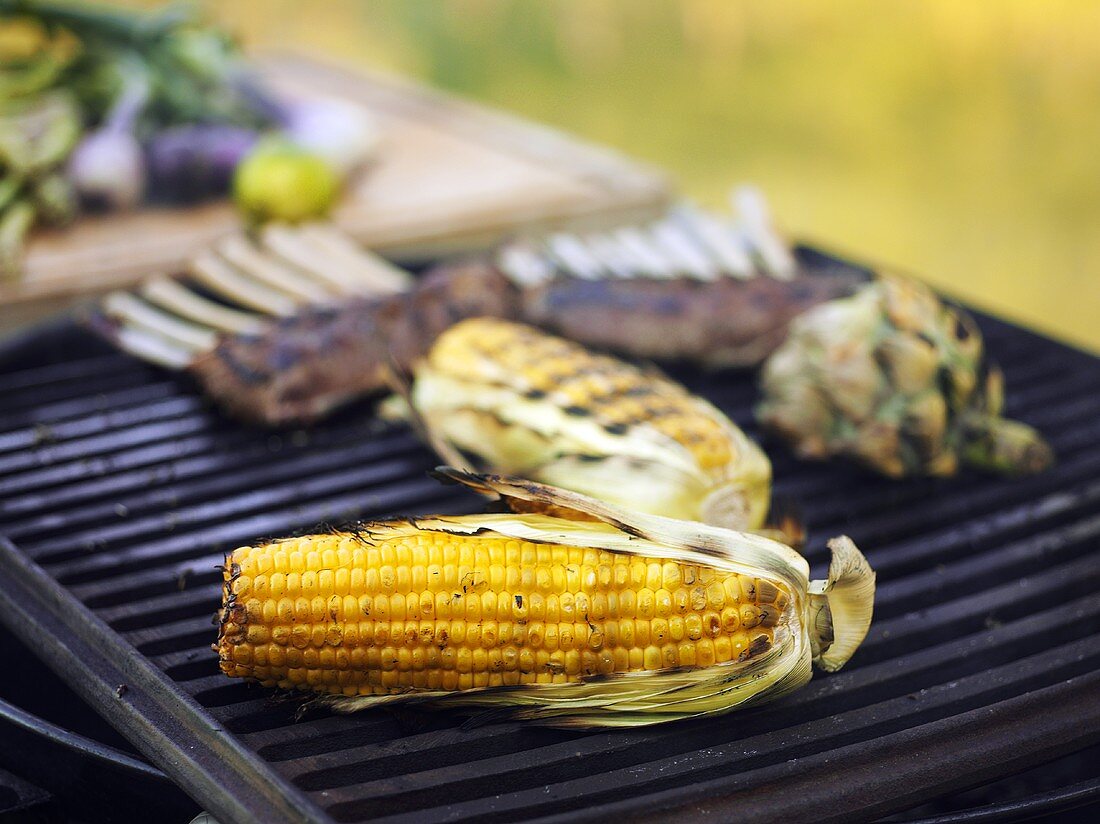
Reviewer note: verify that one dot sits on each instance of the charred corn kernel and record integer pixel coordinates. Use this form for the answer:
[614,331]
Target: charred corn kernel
[523,400]
[595,621]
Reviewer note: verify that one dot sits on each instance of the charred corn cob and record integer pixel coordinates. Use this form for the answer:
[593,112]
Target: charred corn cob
[524,402]
[598,617]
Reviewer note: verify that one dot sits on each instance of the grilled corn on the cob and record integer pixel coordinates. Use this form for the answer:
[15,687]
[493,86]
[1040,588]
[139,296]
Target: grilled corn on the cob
[527,403]
[605,617]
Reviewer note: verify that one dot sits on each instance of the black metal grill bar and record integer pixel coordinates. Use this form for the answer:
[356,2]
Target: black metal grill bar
[955,540]
[199,458]
[144,613]
[272,487]
[189,574]
[90,470]
[825,507]
[109,415]
[958,655]
[585,789]
[217,691]
[148,467]
[202,478]
[960,532]
[263,712]
[328,733]
[316,762]
[18,795]
[1026,370]
[185,634]
[139,700]
[99,414]
[26,408]
[71,374]
[105,443]
[414,492]
[996,565]
[951,527]
[1045,590]
[72,419]
[1060,800]
[1047,385]
[894,773]
[185,666]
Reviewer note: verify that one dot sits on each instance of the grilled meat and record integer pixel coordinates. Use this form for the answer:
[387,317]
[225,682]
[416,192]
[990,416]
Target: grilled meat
[300,368]
[721,323]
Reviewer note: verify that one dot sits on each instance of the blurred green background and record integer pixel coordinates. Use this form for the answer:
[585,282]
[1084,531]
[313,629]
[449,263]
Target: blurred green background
[957,139]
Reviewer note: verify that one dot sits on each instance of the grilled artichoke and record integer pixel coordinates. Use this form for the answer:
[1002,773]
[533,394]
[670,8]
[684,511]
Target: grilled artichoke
[516,400]
[896,379]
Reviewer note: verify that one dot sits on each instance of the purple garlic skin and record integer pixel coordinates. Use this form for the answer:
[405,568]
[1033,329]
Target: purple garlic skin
[191,163]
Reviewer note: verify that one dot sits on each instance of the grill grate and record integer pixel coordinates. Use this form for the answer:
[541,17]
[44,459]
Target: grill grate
[126,490]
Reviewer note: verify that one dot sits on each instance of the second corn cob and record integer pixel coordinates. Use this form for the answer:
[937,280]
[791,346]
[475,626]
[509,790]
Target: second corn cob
[527,403]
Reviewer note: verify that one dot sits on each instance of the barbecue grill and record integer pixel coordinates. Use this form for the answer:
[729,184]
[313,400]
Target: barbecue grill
[120,490]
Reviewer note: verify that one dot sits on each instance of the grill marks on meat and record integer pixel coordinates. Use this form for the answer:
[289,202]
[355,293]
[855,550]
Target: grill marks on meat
[721,323]
[303,367]
[300,368]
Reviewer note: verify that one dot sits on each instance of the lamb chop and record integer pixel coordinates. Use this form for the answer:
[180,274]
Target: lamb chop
[300,368]
[691,287]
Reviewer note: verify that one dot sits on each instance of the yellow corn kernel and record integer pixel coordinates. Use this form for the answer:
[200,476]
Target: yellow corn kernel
[431,610]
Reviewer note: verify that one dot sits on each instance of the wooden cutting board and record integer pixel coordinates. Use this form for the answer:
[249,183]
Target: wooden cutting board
[450,175]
